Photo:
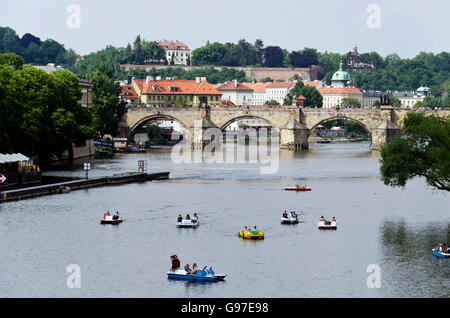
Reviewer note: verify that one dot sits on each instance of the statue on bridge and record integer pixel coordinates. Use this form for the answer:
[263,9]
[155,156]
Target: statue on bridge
[385,100]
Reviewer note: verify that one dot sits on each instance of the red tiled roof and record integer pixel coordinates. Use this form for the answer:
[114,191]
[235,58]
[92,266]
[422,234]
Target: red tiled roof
[311,83]
[179,87]
[281,85]
[127,91]
[257,87]
[171,45]
[227,103]
[301,97]
[230,87]
[340,90]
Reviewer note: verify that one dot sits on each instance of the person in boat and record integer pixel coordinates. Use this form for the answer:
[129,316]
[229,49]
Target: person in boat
[194,218]
[187,269]
[254,228]
[180,219]
[188,217]
[294,215]
[194,269]
[333,219]
[322,218]
[105,215]
[444,248]
[285,215]
[439,247]
[116,216]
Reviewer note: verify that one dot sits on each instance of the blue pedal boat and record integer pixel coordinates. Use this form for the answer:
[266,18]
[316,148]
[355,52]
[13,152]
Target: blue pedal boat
[440,254]
[206,275]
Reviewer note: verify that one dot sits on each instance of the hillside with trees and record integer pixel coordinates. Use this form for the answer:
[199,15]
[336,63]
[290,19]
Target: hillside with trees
[390,73]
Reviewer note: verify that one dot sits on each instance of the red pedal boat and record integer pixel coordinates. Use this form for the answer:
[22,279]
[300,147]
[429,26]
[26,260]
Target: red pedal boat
[297,188]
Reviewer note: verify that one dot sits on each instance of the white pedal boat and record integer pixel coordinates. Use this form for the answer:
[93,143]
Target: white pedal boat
[109,220]
[327,225]
[289,220]
[188,223]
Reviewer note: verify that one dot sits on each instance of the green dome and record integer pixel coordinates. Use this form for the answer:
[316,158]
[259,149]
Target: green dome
[341,75]
[423,89]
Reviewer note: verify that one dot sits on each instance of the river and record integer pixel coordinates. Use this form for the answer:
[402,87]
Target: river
[392,228]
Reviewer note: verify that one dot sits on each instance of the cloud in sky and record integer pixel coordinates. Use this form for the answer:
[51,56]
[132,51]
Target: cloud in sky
[406,26]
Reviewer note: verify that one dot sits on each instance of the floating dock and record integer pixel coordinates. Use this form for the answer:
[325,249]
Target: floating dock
[54,188]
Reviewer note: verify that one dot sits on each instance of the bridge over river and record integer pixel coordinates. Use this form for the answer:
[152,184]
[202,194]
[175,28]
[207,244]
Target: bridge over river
[293,124]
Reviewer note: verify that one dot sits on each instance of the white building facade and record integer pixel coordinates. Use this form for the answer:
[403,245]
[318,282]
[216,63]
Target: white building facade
[176,51]
[237,93]
[277,91]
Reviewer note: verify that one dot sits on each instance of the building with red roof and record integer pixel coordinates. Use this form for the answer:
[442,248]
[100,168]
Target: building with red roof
[169,92]
[128,94]
[259,93]
[277,91]
[237,93]
[332,96]
[177,53]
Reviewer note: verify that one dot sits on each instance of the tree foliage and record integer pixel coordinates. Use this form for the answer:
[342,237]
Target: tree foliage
[350,101]
[312,95]
[108,110]
[33,50]
[40,111]
[423,150]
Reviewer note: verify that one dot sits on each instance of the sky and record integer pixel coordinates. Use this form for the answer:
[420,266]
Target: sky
[405,27]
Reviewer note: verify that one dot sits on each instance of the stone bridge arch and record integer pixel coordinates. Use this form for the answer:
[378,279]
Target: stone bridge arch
[278,118]
[229,122]
[363,125]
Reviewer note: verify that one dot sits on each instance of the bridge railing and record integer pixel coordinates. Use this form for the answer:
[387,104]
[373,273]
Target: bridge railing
[239,107]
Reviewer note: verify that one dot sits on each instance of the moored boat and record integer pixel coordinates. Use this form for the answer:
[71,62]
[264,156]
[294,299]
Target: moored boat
[327,225]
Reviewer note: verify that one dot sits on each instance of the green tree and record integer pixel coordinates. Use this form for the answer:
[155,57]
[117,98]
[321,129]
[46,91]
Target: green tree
[423,150]
[312,95]
[138,55]
[40,112]
[108,110]
[350,101]
[154,133]
[272,102]
[153,52]
[273,56]
[12,60]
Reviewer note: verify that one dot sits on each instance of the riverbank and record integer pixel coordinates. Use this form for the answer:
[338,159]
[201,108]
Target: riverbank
[55,188]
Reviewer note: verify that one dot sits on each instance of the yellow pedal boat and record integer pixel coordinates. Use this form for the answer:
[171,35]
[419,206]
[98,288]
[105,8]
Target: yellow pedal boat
[251,235]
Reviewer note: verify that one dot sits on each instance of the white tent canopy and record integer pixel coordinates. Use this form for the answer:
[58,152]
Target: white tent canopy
[15,157]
